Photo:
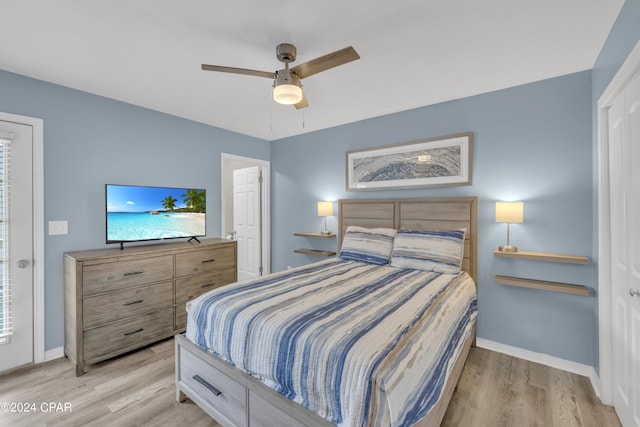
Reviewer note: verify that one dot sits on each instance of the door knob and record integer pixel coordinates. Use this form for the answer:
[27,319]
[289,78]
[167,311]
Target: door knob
[633,292]
[23,263]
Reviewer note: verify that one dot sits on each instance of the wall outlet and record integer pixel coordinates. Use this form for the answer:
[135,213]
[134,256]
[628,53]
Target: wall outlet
[58,227]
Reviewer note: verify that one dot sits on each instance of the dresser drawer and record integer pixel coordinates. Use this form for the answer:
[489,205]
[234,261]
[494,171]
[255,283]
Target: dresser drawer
[118,337]
[205,260]
[219,391]
[112,276]
[192,287]
[109,307]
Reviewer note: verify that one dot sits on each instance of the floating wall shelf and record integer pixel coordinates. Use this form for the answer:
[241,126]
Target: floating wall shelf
[544,256]
[544,285]
[314,251]
[312,234]
[566,288]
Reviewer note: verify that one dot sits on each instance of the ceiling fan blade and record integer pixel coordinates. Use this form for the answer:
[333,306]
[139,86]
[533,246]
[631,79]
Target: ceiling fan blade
[234,70]
[303,103]
[326,62]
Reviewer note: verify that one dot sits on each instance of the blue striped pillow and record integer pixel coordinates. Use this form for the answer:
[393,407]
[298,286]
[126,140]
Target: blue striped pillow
[370,245]
[439,251]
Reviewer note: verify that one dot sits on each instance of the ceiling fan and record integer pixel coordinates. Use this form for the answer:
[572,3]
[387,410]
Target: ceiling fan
[287,88]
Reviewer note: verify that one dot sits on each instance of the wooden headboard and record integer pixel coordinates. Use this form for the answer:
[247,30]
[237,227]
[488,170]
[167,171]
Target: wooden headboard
[417,214]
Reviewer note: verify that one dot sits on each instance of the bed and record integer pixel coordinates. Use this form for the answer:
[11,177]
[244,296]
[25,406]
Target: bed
[367,340]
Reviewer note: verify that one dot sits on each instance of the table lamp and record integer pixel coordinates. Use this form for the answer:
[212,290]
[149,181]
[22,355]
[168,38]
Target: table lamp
[325,209]
[509,212]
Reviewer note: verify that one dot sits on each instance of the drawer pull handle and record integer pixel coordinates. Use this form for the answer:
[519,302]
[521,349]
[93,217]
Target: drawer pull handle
[133,273]
[204,382]
[206,285]
[133,302]
[208,260]
[126,334]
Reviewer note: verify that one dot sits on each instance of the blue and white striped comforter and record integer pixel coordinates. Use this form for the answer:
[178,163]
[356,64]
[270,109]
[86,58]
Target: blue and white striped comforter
[356,343]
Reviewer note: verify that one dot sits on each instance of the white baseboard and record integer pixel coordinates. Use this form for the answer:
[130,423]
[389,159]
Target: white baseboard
[544,359]
[54,353]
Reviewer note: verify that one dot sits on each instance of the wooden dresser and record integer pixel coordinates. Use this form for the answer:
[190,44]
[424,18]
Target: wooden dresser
[119,300]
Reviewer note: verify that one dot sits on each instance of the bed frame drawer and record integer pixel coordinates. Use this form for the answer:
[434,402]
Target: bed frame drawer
[264,414]
[223,395]
[262,405]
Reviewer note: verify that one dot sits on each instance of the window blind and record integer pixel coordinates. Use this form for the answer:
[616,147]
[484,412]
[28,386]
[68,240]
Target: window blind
[6,328]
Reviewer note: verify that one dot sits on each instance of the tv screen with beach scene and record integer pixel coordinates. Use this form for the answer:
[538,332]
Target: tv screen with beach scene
[138,213]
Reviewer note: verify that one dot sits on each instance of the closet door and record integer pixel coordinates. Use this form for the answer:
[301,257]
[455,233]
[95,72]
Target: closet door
[624,157]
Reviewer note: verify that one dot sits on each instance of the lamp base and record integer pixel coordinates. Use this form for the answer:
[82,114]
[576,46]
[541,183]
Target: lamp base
[325,232]
[507,249]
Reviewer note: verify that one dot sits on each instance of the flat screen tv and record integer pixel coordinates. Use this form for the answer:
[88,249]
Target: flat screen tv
[139,213]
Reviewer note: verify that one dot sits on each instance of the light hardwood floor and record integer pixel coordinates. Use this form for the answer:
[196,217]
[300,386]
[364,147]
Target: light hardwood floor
[138,390]
[504,391]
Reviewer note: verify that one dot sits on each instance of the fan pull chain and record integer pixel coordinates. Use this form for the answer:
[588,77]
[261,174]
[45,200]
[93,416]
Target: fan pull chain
[303,118]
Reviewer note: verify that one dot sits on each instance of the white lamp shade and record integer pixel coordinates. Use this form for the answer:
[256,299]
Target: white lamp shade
[510,212]
[325,208]
[287,94]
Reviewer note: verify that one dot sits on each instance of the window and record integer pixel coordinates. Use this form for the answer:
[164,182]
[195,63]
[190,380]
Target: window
[5,278]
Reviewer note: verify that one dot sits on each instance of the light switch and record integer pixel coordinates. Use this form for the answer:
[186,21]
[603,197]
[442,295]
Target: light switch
[58,227]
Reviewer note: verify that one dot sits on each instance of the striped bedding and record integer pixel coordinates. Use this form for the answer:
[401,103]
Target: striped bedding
[358,344]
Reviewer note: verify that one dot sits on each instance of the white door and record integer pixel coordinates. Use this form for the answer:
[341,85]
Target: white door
[624,158]
[246,220]
[16,245]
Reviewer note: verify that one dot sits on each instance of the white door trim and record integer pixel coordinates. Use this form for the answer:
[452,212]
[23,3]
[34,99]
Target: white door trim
[266,197]
[38,230]
[627,71]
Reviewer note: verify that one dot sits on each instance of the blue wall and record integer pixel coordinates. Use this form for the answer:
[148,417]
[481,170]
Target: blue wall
[91,140]
[531,143]
[624,35]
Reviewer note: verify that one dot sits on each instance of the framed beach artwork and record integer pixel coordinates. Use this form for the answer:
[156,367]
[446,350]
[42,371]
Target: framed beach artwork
[433,162]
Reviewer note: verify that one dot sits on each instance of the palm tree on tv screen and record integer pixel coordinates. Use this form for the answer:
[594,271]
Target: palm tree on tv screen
[169,203]
[194,200]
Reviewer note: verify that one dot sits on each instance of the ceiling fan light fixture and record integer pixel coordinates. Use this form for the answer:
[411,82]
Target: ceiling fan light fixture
[287,88]
[287,94]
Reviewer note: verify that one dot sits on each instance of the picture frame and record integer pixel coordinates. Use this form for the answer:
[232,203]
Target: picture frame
[433,162]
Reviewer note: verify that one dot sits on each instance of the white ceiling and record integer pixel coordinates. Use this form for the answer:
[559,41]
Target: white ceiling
[413,52]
